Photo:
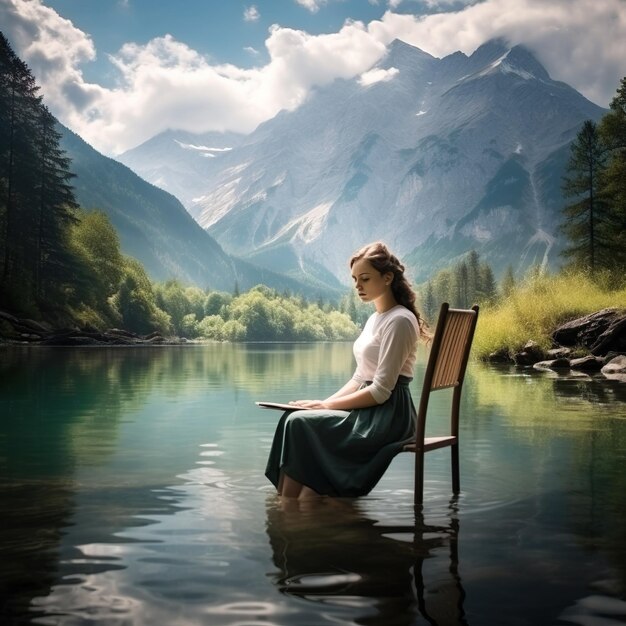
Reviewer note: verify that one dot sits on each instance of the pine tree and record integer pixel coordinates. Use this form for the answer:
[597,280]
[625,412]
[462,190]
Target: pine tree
[582,183]
[507,284]
[18,111]
[36,198]
[56,264]
[488,290]
[612,130]
[430,304]
[474,280]
[462,277]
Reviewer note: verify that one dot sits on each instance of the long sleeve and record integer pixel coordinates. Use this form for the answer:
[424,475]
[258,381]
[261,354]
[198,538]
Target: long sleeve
[386,349]
[397,344]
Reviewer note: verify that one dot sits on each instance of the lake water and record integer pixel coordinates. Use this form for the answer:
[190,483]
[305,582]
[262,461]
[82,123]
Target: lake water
[132,492]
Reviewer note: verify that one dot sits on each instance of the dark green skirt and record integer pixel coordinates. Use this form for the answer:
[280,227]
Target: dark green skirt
[342,453]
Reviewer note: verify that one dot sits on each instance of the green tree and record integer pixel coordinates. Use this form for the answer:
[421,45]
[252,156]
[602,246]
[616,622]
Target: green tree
[211,327]
[215,301]
[171,298]
[487,290]
[234,330]
[356,310]
[97,244]
[443,288]
[189,326]
[582,183]
[461,275]
[262,314]
[55,213]
[19,107]
[429,302]
[468,281]
[612,130]
[195,299]
[507,285]
[475,276]
[136,301]
[264,317]
[37,204]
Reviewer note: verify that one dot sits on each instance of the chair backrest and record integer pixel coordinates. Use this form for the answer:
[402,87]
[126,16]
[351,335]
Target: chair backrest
[448,358]
[451,346]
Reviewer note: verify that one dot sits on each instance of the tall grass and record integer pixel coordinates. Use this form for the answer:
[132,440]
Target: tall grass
[537,306]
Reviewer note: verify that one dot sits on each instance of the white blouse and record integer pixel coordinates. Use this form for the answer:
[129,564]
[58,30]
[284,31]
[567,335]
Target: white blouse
[385,350]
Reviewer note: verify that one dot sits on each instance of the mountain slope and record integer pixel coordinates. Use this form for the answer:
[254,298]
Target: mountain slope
[177,161]
[444,156]
[155,228]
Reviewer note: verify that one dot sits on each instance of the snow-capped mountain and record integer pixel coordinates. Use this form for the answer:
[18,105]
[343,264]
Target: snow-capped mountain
[154,227]
[180,162]
[434,156]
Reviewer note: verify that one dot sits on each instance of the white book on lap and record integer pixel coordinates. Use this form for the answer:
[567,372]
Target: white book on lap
[281,406]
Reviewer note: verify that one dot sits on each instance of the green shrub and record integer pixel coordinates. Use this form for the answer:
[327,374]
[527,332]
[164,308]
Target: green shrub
[537,306]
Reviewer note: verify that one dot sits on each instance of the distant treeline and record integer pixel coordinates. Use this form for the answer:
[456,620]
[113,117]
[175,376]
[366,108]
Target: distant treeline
[261,314]
[467,282]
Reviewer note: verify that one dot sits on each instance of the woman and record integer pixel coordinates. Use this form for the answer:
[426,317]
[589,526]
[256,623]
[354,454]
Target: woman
[342,446]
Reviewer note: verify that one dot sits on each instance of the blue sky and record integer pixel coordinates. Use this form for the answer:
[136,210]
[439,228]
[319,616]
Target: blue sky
[226,31]
[118,72]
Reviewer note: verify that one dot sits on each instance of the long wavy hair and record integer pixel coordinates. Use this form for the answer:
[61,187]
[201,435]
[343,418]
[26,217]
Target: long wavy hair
[382,260]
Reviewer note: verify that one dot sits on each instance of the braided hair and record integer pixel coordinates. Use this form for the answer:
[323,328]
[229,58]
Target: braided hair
[382,260]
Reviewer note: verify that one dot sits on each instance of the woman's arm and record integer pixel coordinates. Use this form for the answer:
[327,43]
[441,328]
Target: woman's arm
[350,396]
[350,387]
[359,399]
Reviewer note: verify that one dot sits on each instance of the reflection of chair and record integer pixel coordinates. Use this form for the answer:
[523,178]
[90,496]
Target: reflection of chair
[339,555]
[446,368]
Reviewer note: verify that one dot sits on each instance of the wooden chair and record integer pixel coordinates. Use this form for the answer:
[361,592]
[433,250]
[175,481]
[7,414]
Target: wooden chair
[447,362]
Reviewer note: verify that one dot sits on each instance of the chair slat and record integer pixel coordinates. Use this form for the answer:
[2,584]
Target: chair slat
[457,328]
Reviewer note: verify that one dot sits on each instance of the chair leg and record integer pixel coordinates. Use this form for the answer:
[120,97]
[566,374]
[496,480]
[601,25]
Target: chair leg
[456,474]
[418,490]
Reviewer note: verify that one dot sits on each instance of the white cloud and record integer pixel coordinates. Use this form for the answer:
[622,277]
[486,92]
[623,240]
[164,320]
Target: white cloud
[251,14]
[436,5]
[251,50]
[311,5]
[54,50]
[377,75]
[166,84]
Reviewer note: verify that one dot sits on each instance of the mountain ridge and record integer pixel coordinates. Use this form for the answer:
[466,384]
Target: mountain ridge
[154,227]
[438,157]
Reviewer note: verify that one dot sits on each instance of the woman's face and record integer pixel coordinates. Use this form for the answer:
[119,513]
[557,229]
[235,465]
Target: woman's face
[369,282]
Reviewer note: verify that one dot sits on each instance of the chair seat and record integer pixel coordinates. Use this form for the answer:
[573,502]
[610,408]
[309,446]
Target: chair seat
[432,443]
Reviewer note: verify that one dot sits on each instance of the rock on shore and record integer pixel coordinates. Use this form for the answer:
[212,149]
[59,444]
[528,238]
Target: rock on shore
[21,331]
[601,334]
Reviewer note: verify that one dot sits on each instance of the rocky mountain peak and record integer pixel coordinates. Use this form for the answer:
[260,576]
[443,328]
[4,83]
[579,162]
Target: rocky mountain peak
[448,156]
[401,54]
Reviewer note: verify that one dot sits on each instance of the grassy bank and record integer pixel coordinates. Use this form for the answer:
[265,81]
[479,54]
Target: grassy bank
[536,307]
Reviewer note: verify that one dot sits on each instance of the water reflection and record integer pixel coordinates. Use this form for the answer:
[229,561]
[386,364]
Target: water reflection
[131,488]
[334,555]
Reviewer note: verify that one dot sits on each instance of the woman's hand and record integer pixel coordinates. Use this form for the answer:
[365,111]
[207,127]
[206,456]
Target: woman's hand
[309,404]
